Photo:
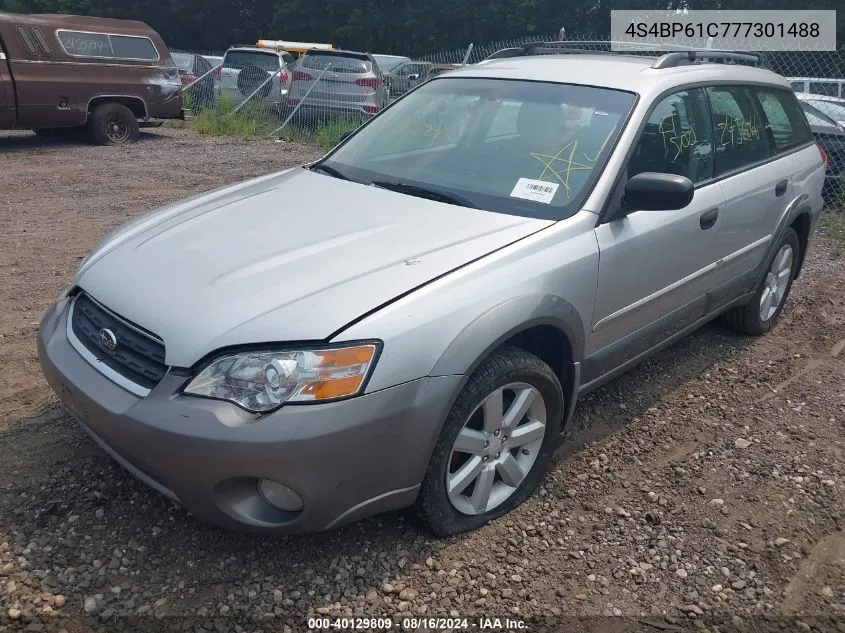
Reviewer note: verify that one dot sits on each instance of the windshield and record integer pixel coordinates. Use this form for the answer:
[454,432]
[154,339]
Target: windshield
[243,59]
[830,108]
[817,119]
[184,61]
[387,64]
[520,147]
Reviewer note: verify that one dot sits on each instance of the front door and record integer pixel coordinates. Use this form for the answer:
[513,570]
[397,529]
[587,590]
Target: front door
[656,267]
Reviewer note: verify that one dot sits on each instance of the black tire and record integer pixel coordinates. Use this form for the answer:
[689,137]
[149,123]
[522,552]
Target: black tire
[112,124]
[505,366]
[747,319]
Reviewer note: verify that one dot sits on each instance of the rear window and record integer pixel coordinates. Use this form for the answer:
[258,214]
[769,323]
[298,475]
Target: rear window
[105,45]
[336,63]
[242,59]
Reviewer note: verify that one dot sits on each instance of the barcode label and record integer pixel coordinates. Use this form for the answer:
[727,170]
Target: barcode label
[536,190]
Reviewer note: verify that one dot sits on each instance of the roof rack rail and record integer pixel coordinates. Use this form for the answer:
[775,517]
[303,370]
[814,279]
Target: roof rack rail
[556,48]
[671,59]
[683,58]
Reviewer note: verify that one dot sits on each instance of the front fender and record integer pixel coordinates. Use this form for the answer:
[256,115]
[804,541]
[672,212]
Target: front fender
[502,322]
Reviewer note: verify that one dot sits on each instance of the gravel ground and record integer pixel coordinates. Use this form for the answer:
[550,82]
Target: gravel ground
[704,490]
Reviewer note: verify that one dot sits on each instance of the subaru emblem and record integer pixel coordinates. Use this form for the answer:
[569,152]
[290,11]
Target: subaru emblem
[108,341]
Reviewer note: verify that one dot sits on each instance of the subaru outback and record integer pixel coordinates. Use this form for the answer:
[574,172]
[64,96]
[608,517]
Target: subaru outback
[411,319]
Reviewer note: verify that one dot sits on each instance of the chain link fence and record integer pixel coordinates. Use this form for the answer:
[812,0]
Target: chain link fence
[322,95]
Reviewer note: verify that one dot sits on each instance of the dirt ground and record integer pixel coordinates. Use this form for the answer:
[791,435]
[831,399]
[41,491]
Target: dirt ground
[704,490]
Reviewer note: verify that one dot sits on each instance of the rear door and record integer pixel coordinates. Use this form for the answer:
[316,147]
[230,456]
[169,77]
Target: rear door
[7,92]
[751,127]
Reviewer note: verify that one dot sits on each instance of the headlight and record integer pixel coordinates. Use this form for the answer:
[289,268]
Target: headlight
[262,381]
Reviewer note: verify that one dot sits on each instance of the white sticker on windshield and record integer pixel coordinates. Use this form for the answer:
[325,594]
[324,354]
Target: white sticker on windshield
[536,190]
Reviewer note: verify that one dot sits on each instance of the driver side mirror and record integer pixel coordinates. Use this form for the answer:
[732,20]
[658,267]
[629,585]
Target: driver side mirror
[651,191]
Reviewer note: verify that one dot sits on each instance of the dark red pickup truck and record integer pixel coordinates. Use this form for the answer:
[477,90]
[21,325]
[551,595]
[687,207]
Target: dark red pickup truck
[62,72]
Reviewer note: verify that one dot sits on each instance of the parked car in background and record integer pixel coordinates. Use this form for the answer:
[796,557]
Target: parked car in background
[818,85]
[387,63]
[215,60]
[195,71]
[833,107]
[337,82]
[263,74]
[64,72]
[411,74]
[830,136]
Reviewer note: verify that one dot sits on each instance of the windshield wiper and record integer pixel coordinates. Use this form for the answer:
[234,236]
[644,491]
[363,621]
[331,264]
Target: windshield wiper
[329,170]
[425,192]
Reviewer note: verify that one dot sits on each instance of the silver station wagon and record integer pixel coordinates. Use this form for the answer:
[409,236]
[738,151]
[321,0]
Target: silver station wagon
[410,320]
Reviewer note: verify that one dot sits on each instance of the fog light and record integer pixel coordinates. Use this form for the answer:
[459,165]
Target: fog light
[279,496]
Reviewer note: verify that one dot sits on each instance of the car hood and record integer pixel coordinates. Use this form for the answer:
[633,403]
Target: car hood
[293,256]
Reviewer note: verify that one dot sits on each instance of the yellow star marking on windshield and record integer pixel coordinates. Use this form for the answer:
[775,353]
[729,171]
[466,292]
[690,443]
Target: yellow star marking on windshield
[562,172]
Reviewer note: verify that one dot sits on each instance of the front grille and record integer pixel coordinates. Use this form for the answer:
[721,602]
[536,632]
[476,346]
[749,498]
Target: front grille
[138,356]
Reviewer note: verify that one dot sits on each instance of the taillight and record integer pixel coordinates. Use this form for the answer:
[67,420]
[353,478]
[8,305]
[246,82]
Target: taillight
[293,101]
[298,75]
[370,109]
[283,76]
[824,155]
[218,72]
[370,82]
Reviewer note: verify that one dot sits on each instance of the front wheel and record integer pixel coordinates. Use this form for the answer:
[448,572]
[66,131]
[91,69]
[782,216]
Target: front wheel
[760,313]
[496,443]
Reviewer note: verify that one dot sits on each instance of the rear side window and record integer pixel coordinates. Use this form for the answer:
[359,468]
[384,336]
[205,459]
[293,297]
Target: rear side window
[677,138]
[785,121]
[42,41]
[27,40]
[104,45]
[336,63]
[797,86]
[826,88]
[126,47]
[738,131]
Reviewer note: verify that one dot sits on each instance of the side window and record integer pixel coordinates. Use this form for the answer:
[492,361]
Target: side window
[128,47]
[78,44]
[42,41]
[27,40]
[677,139]
[797,86]
[785,121]
[740,138]
[826,88]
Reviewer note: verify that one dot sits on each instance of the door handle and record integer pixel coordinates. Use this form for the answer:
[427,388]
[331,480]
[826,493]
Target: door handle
[780,188]
[708,219]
